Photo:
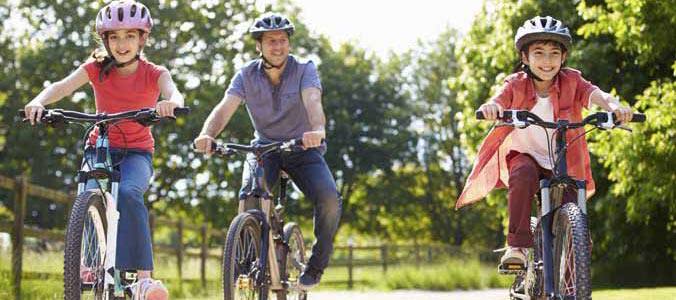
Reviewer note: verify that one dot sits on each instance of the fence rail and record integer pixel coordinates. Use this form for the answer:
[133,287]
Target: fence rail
[22,189]
[344,256]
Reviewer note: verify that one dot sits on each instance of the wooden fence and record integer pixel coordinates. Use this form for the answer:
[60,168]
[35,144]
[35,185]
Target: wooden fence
[386,255]
[344,256]
[22,189]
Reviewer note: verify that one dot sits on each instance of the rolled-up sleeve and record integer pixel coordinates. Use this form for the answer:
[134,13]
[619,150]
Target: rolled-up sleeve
[584,91]
[310,77]
[236,86]
[505,95]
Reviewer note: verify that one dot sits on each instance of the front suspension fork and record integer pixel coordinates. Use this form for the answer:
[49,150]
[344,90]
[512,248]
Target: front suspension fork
[546,221]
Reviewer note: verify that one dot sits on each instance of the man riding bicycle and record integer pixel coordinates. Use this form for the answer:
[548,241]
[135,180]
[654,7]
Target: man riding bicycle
[283,97]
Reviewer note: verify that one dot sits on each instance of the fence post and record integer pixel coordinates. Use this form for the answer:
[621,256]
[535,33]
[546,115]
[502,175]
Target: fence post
[179,249]
[383,256]
[418,260]
[203,256]
[20,193]
[350,249]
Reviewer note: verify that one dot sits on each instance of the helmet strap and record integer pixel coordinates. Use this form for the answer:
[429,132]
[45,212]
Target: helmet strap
[111,62]
[267,64]
[131,61]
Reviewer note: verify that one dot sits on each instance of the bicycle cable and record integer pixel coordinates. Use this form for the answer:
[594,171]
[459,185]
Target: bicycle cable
[85,139]
[550,155]
[581,135]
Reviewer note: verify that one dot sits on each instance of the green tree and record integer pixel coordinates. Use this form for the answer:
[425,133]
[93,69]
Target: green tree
[642,199]
[368,117]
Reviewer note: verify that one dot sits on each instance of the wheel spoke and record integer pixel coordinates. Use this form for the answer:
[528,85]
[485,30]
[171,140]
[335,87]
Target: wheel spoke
[570,267]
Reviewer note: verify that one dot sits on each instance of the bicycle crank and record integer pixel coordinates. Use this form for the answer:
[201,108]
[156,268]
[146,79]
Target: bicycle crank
[244,282]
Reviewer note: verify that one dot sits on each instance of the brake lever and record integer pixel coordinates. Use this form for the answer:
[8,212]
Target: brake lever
[503,124]
[624,127]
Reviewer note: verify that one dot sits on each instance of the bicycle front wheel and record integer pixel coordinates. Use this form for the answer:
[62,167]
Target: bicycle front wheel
[241,256]
[85,249]
[572,253]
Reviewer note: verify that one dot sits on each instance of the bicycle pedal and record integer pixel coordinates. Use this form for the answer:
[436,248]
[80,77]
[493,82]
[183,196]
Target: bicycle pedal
[511,269]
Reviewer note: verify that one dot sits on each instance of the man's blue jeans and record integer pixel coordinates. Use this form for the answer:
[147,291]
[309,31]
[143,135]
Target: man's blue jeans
[311,174]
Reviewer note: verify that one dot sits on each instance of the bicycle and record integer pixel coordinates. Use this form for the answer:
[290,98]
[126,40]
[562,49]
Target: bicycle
[262,253]
[559,266]
[91,233]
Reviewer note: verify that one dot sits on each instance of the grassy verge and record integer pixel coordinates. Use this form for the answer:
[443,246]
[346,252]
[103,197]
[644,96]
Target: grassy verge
[664,293]
[449,275]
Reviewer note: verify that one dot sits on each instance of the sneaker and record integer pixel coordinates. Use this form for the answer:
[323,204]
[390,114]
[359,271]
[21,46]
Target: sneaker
[514,256]
[149,289]
[309,278]
[87,275]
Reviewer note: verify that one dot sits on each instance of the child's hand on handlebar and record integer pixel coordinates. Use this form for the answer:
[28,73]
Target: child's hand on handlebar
[165,108]
[33,111]
[623,114]
[491,110]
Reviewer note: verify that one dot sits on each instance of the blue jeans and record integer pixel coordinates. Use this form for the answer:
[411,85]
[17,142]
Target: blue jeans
[134,249]
[311,174]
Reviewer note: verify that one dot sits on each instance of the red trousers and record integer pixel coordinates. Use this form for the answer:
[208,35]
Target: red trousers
[524,183]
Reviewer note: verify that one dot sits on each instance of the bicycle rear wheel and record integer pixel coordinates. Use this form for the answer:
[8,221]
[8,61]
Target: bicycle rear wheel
[572,277]
[241,255]
[85,249]
[295,262]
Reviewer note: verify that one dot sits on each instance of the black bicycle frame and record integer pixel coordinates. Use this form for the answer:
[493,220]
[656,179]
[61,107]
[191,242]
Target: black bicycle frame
[259,191]
[560,181]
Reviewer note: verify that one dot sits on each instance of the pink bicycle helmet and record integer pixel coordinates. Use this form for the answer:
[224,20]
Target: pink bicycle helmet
[123,14]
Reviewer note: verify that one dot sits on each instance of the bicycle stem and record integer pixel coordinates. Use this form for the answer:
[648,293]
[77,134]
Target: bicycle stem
[561,149]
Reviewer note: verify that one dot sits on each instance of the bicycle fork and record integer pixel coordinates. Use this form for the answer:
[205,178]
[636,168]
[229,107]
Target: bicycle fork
[112,278]
[547,213]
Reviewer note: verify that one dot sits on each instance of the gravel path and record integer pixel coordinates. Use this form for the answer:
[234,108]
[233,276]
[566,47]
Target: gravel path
[494,294]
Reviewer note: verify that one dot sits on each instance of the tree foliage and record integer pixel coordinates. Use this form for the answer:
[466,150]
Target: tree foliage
[401,129]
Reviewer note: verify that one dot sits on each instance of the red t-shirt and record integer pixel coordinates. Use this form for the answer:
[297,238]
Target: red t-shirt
[118,93]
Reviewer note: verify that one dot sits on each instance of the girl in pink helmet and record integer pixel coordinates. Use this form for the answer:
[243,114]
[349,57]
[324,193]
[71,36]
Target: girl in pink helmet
[122,80]
[517,159]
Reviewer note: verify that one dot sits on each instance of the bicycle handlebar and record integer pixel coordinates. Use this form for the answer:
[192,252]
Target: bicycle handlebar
[522,118]
[144,116]
[228,149]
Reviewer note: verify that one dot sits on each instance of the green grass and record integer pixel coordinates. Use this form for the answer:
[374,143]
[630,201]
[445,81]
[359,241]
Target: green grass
[666,293]
[449,275]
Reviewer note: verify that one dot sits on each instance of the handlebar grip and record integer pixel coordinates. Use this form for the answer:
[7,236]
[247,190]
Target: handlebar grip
[181,111]
[22,113]
[638,117]
[506,114]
